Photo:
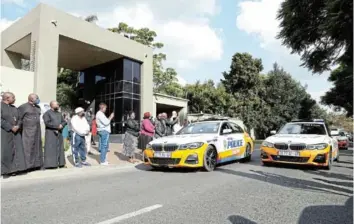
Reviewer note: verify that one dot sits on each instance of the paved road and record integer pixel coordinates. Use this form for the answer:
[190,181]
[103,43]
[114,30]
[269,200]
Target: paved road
[234,193]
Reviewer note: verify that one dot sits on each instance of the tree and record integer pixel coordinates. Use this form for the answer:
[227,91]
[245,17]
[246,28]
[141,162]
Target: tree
[165,80]
[243,82]
[210,98]
[322,33]
[341,121]
[341,95]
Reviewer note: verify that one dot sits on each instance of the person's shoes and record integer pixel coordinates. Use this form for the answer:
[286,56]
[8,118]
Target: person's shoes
[78,165]
[85,163]
[105,163]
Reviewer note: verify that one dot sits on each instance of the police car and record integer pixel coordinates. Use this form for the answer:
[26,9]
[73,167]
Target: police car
[303,143]
[202,144]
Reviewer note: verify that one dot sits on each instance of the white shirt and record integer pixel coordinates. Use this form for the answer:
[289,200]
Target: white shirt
[103,123]
[79,125]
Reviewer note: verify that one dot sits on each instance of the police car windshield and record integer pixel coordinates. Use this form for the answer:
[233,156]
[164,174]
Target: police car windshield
[304,128]
[200,128]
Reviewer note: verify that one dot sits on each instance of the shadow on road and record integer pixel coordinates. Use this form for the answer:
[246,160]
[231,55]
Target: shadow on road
[331,175]
[289,182]
[328,214]
[339,183]
[348,167]
[236,219]
[144,167]
[346,162]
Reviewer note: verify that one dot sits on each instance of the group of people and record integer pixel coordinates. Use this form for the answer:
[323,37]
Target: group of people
[138,135]
[21,137]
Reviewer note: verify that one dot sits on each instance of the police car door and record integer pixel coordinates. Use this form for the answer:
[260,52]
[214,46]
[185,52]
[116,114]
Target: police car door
[225,138]
[238,140]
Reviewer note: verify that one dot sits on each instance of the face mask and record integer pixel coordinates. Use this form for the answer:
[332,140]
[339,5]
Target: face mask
[56,108]
[37,101]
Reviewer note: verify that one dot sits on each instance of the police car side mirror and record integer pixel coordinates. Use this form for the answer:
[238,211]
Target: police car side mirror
[226,131]
[273,132]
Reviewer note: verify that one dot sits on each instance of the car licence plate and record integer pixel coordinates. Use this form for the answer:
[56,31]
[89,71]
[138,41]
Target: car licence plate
[288,153]
[162,154]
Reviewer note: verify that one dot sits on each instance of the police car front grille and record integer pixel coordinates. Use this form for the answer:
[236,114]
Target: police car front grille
[281,146]
[290,159]
[165,147]
[165,161]
[297,146]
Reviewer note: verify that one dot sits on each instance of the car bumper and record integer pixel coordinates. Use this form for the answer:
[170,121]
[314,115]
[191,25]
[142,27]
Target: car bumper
[307,157]
[192,158]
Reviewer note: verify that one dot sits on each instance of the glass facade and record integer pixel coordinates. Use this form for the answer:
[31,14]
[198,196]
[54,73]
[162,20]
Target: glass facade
[116,83]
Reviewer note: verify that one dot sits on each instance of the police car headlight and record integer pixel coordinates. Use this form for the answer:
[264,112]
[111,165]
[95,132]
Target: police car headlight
[267,144]
[193,145]
[317,146]
[148,146]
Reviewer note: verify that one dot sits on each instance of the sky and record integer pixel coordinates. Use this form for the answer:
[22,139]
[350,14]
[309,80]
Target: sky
[200,36]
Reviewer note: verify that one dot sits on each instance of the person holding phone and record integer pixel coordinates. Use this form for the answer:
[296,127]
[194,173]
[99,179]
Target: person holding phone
[103,130]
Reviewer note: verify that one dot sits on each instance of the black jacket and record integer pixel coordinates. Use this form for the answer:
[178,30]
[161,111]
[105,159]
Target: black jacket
[160,128]
[133,127]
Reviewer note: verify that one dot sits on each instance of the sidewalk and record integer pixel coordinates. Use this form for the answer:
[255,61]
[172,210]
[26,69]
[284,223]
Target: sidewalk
[115,157]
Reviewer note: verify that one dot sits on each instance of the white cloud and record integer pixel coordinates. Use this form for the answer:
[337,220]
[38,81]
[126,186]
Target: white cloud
[258,18]
[4,23]
[183,26]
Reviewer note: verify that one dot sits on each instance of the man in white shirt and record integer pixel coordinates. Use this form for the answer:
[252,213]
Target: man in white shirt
[103,130]
[80,129]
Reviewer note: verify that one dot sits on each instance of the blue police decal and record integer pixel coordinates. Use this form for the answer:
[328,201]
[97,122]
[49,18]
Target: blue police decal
[231,144]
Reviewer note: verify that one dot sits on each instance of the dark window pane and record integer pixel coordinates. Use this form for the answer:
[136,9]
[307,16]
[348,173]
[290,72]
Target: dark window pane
[118,64]
[118,105]
[136,109]
[127,106]
[136,72]
[136,88]
[118,86]
[128,87]
[118,128]
[128,70]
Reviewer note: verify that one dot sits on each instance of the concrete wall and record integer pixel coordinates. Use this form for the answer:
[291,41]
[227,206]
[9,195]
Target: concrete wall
[46,38]
[19,82]
[171,101]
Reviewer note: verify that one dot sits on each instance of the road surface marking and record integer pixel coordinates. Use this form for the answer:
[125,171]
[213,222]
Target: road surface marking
[131,215]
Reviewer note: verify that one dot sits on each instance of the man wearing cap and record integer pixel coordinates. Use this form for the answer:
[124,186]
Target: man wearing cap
[80,129]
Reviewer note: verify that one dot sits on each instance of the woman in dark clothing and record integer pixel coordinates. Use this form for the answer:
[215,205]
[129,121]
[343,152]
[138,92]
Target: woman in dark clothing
[146,132]
[130,143]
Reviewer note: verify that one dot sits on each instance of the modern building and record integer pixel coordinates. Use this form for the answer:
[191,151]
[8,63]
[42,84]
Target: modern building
[113,69]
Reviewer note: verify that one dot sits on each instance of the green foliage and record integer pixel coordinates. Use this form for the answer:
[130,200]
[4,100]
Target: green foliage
[208,98]
[322,33]
[244,82]
[341,94]
[266,102]
[66,96]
